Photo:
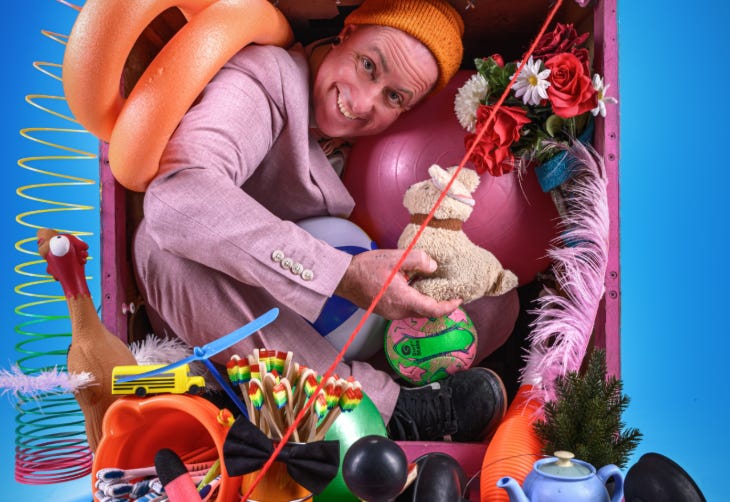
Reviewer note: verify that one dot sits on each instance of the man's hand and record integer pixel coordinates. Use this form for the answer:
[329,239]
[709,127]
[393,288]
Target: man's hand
[368,272]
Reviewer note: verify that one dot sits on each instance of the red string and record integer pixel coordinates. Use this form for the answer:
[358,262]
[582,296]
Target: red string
[398,265]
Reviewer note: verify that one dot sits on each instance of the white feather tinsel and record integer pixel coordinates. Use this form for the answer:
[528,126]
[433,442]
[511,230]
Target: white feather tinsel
[52,381]
[564,320]
[156,350]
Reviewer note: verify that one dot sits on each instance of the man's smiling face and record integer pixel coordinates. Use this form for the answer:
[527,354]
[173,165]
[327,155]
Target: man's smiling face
[369,79]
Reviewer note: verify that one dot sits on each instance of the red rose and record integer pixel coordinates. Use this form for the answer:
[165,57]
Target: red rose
[498,60]
[563,39]
[571,92]
[492,153]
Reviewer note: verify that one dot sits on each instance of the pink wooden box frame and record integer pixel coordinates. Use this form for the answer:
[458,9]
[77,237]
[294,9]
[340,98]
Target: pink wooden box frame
[115,269]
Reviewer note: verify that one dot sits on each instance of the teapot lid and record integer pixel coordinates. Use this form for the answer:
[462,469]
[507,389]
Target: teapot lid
[562,466]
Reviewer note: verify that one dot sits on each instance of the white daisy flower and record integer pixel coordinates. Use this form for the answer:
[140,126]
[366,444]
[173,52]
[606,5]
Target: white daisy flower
[600,88]
[468,99]
[531,84]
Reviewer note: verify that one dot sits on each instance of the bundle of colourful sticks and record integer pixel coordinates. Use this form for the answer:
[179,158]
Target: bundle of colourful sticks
[275,389]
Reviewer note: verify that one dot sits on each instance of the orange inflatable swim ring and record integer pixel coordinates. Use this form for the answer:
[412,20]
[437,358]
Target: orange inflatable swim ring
[139,127]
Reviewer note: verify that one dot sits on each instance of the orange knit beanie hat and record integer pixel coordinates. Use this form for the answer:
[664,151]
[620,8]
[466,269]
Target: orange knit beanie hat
[435,23]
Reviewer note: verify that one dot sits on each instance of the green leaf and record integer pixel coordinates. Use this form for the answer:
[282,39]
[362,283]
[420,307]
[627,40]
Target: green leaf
[497,77]
[483,65]
[553,125]
[581,121]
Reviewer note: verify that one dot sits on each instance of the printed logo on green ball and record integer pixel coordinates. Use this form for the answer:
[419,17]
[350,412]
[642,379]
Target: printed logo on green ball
[422,348]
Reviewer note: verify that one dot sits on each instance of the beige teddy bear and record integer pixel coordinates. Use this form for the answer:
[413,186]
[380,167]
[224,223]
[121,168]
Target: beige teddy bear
[465,270]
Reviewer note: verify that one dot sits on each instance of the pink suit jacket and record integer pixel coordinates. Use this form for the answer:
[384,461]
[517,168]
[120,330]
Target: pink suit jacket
[240,170]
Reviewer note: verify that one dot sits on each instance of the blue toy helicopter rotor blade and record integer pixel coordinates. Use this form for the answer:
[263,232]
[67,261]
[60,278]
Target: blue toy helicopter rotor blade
[212,348]
[222,343]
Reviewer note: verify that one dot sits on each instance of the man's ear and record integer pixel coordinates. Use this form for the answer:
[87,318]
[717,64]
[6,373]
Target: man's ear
[346,31]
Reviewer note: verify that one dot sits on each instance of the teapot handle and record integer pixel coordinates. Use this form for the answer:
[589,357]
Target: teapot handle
[611,471]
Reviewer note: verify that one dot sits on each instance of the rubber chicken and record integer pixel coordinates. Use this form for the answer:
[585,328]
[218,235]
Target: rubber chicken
[93,347]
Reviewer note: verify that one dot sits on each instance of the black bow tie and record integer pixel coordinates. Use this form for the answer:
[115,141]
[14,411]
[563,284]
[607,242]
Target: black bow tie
[313,465]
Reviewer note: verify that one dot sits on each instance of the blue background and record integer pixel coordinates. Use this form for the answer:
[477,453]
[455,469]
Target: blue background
[674,223]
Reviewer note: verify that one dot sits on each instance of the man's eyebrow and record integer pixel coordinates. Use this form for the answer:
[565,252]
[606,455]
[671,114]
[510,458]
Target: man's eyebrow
[384,64]
[381,56]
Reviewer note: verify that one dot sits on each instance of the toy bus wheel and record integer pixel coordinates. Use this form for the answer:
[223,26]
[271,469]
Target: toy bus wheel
[194,389]
[140,392]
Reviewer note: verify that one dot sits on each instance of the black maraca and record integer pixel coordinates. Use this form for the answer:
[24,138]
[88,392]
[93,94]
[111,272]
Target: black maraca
[375,469]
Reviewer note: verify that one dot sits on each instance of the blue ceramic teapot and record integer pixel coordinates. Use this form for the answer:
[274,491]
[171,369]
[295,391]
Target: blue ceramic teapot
[562,478]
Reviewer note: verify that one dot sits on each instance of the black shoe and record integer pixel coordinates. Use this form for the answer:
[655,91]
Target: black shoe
[466,406]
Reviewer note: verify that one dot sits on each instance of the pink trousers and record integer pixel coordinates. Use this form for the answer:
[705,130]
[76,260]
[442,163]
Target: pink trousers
[199,304]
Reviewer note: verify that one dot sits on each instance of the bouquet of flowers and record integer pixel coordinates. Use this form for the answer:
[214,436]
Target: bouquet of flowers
[550,104]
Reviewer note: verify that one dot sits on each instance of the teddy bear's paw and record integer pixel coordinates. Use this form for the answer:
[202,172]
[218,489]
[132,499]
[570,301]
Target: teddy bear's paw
[505,281]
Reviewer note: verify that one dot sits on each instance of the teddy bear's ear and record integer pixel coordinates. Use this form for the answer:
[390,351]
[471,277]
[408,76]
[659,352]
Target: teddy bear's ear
[468,177]
[436,171]
[441,177]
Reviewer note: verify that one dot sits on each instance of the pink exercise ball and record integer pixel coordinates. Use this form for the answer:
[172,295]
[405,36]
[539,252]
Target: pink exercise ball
[513,218]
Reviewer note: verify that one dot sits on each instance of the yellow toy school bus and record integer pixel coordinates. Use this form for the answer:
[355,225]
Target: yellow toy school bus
[175,381]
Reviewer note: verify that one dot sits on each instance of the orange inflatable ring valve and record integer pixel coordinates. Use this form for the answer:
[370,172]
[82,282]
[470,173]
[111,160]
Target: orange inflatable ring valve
[513,449]
[135,429]
[139,128]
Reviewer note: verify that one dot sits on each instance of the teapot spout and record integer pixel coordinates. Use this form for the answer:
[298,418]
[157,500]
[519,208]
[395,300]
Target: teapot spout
[514,490]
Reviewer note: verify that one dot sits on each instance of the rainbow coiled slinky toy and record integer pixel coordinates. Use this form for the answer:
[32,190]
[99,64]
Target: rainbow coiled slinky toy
[50,441]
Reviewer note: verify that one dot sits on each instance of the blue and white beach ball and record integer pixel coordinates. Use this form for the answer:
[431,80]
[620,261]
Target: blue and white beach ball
[340,317]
